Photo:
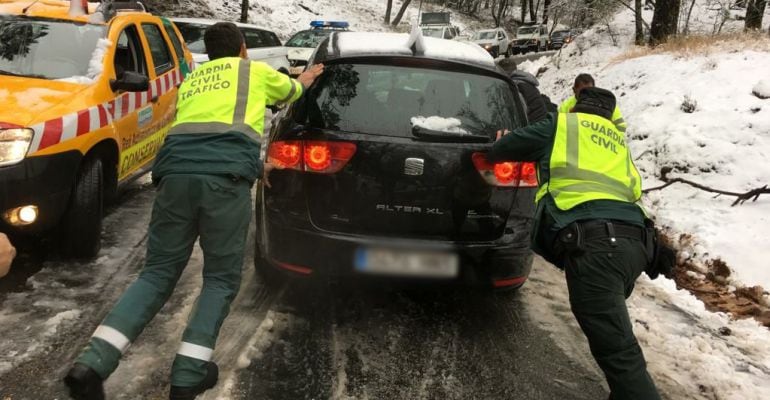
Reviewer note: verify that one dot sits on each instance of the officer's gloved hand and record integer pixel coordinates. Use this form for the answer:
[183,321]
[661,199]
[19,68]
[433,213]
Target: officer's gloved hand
[663,263]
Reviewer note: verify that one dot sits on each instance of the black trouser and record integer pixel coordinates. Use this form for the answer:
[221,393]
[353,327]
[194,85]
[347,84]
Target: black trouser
[600,278]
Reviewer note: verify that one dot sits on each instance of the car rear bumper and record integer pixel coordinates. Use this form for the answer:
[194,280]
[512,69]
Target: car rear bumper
[300,252]
[41,181]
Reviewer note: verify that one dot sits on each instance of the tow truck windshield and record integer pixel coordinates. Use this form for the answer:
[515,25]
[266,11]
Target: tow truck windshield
[46,48]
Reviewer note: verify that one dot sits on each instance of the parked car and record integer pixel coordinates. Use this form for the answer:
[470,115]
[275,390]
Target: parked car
[384,172]
[530,38]
[303,43]
[495,41]
[560,38]
[85,107]
[437,25]
[261,44]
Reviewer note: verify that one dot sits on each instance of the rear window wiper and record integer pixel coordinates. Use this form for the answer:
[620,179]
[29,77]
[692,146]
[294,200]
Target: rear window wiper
[440,136]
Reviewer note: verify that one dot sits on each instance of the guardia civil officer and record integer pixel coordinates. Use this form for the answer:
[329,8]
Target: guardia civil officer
[583,81]
[587,223]
[204,173]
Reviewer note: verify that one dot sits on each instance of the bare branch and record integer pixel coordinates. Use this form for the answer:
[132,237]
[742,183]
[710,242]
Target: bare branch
[752,195]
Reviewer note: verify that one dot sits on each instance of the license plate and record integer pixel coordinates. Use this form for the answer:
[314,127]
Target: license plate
[409,263]
[294,71]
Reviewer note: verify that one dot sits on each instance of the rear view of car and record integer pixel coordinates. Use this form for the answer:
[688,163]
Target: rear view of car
[261,44]
[560,38]
[385,174]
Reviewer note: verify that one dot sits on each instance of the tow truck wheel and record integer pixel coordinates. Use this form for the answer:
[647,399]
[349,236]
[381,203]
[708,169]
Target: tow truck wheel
[81,228]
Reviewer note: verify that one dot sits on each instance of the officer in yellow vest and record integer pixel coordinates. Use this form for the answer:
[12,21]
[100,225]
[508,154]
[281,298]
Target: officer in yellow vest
[583,81]
[587,223]
[204,173]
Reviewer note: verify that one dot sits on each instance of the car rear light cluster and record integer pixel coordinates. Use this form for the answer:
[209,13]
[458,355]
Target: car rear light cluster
[506,174]
[316,156]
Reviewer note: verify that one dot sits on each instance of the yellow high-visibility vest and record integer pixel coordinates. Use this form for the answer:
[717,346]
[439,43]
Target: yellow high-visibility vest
[229,95]
[589,161]
[617,117]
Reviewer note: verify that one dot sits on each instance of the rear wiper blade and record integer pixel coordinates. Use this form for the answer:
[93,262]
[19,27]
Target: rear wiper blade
[441,136]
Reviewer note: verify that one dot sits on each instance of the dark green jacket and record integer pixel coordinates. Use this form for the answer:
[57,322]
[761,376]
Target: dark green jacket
[535,143]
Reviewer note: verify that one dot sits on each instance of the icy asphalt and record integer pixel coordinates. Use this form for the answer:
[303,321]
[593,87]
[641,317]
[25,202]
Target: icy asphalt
[321,341]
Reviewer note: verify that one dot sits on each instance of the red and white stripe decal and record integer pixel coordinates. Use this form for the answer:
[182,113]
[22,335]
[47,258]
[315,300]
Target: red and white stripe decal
[58,130]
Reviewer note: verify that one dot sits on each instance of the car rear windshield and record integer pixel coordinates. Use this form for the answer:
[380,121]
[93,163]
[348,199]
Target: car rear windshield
[487,35]
[193,36]
[433,32]
[46,48]
[308,39]
[527,31]
[383,99]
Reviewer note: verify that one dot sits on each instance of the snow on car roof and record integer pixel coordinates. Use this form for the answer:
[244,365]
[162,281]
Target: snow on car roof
[351,44]
[208,21]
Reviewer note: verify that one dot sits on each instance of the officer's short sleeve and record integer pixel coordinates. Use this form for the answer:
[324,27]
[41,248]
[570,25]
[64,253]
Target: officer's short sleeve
[279,88]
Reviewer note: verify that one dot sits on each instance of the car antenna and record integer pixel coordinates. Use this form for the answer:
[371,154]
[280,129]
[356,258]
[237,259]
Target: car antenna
[25,9]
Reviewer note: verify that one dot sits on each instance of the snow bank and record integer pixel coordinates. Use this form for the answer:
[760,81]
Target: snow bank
[440,124]
[724,142]
[762,89]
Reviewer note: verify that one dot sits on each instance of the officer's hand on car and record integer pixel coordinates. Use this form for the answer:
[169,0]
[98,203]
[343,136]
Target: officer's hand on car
[266,172]
[7,254]
[309,76]
[502,133]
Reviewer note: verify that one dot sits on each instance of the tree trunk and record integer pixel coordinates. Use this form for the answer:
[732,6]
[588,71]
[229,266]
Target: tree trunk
[664,21]
[401,12]
[755,10]
[639,27]
[532,11]
[387,11]
[523,10]
[546,6]
[244,11]
[740,3]
[687,21]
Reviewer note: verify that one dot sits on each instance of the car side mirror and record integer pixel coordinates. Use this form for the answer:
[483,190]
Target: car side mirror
[130,82]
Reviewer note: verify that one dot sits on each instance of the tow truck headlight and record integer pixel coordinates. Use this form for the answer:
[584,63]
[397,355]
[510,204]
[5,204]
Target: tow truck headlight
[21,216]
[14,144]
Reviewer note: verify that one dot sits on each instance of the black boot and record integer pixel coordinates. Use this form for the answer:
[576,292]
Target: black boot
[84,383]
[189,393]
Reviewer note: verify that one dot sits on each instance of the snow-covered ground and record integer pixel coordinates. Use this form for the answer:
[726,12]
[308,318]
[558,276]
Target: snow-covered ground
[721,141]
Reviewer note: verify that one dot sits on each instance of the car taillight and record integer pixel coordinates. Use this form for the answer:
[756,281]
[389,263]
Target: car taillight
[316,156]
[286,154]
[506,174]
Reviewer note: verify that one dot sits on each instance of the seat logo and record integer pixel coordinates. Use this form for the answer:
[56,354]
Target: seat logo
[414,166]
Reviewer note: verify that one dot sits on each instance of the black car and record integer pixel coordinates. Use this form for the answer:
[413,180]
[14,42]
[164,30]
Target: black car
[372,186]
[560,38]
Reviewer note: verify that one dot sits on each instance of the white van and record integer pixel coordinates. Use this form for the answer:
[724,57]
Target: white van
[261,44]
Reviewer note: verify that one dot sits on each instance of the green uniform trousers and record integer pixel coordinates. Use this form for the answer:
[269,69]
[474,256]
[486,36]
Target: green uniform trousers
[599,280]
[218,210]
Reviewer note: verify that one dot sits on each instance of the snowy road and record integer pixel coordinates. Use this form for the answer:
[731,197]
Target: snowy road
[300,342]
[337,341]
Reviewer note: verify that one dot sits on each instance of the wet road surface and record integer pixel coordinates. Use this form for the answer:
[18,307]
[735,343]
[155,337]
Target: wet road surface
[325,340]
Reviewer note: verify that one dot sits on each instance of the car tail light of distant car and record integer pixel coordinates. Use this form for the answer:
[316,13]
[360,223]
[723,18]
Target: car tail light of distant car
[323,157]
[506,174]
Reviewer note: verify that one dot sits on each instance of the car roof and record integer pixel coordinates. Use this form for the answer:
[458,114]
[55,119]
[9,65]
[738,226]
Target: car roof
[362,44]
[57,9]
[491,30]
[208,21]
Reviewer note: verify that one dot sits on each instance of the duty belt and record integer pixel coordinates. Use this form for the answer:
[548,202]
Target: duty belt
[611,229]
